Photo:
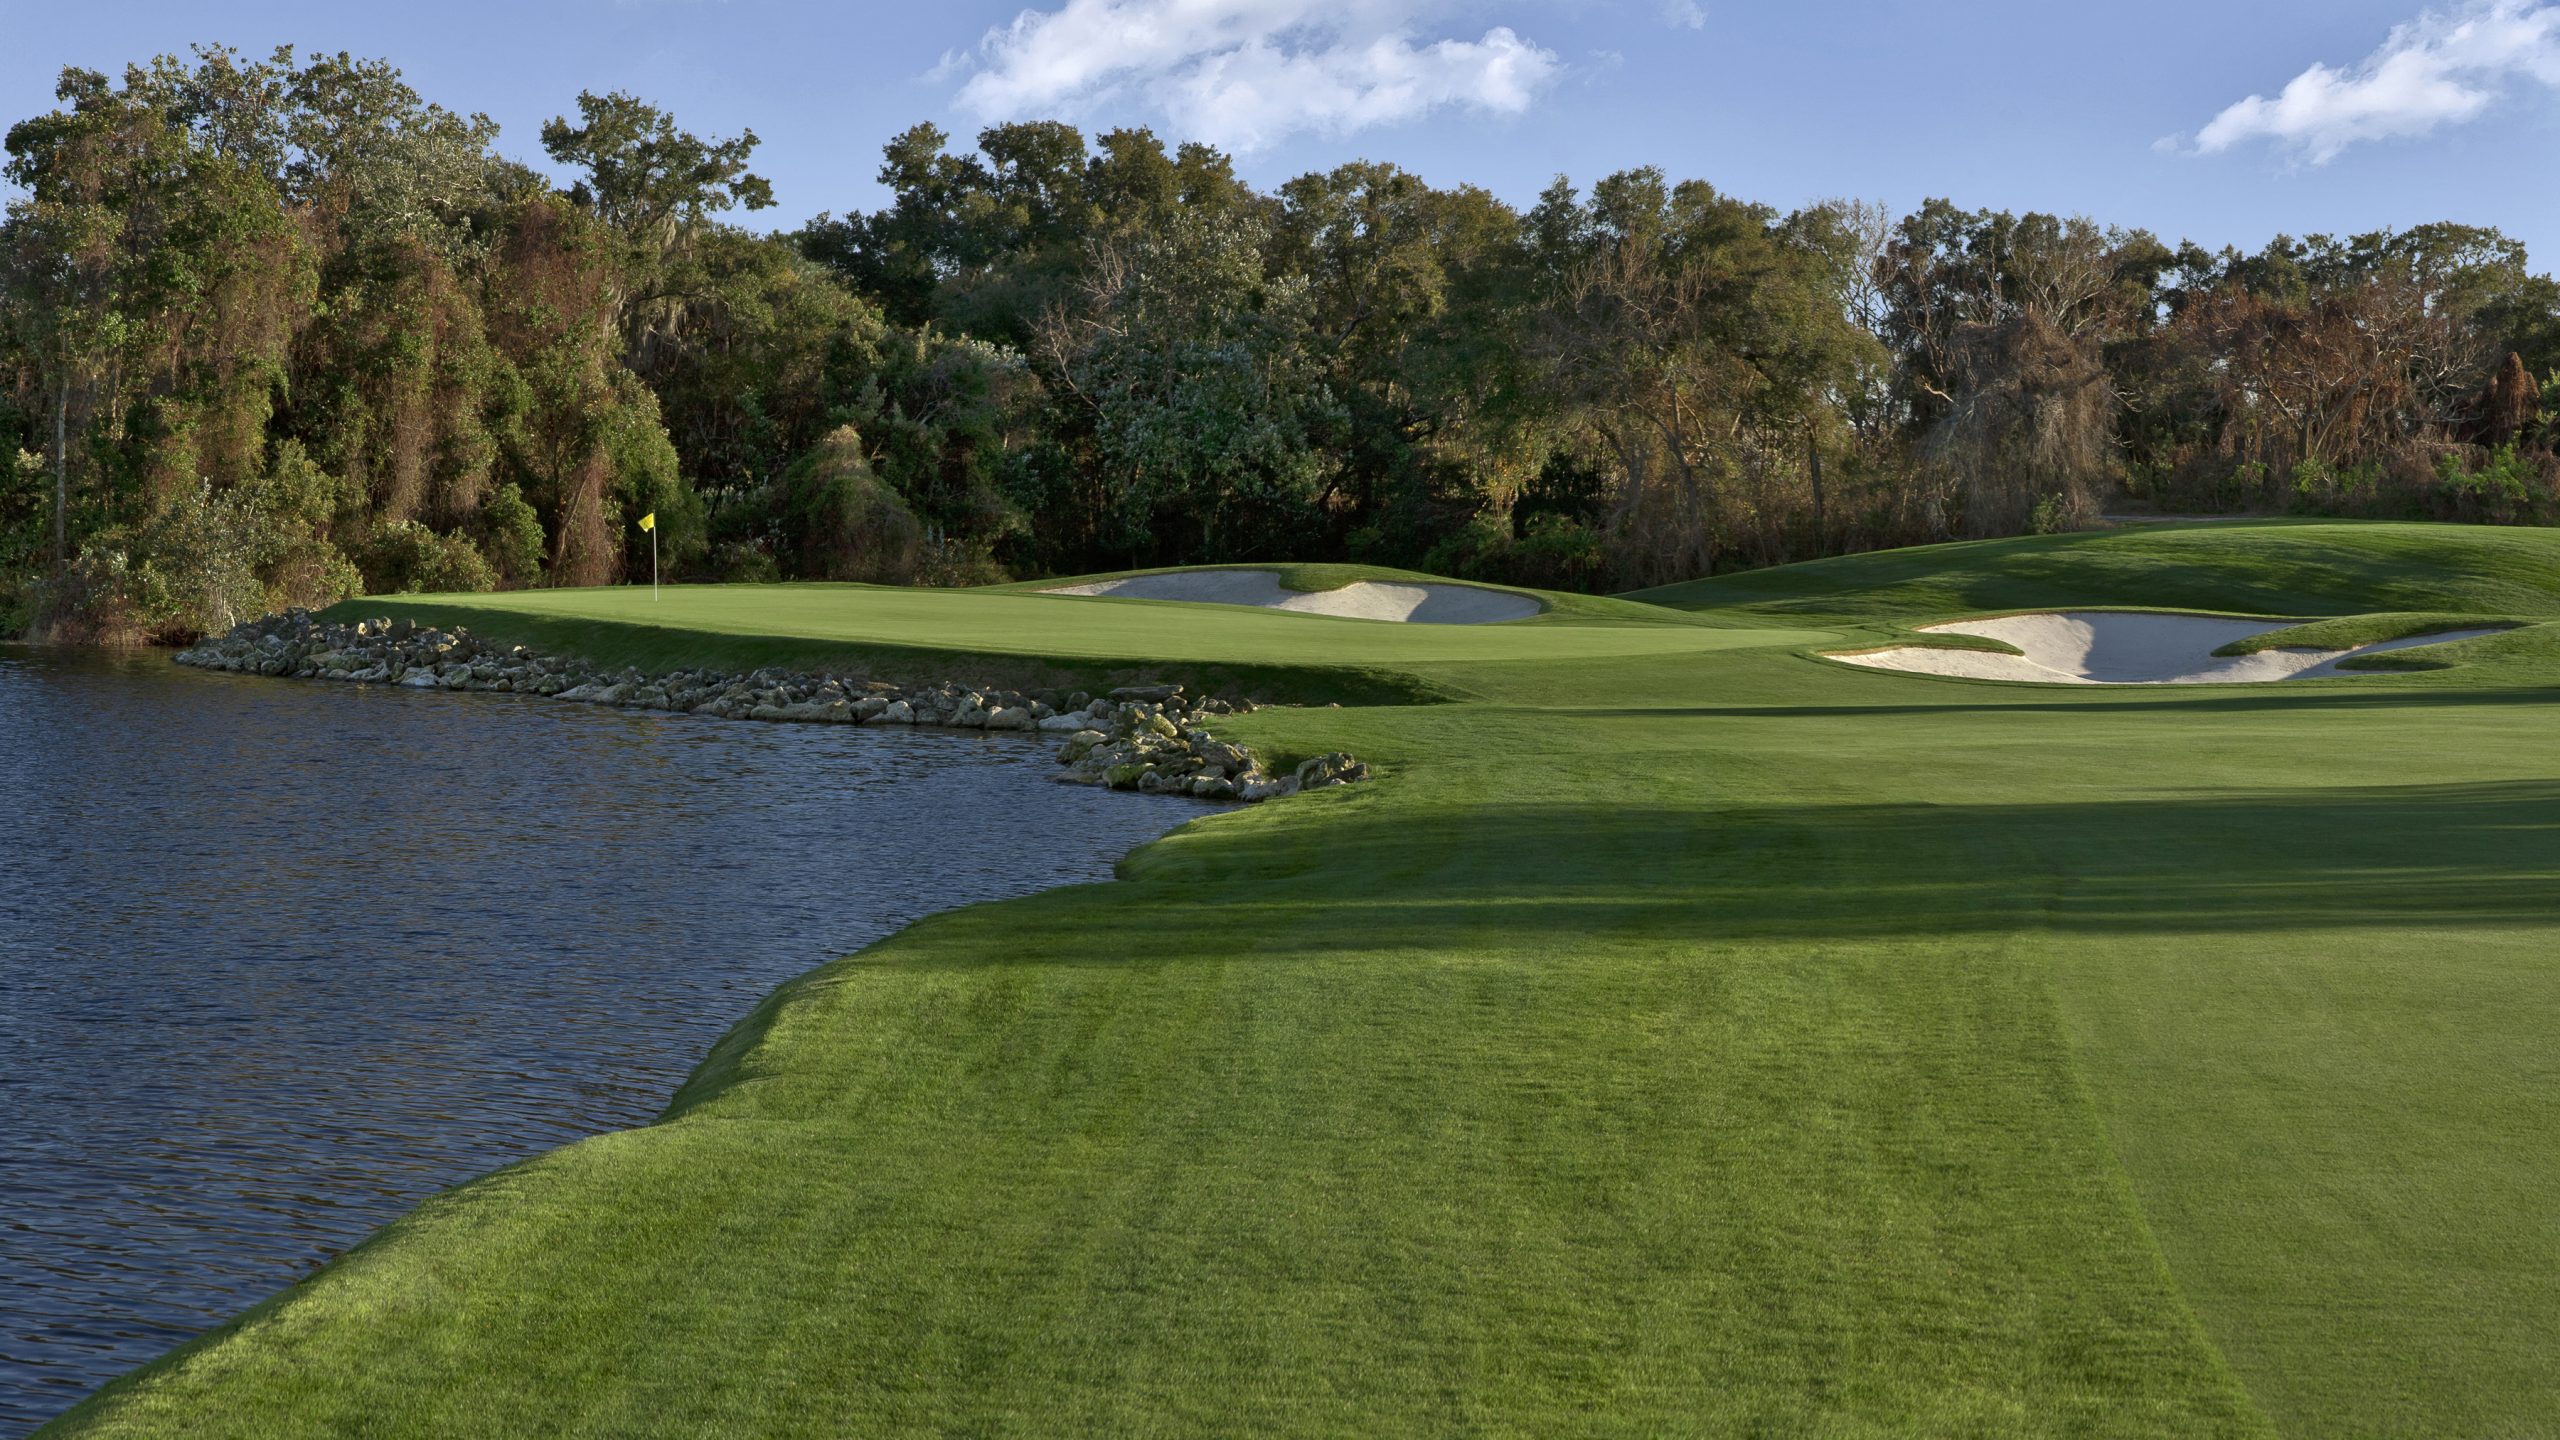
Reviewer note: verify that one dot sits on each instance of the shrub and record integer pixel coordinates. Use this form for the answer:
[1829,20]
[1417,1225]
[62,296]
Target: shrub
[2504,489]
[26,537]
[740,562]
[408,558]
[958,563]
[511,536]
[841,523]
[198,567]
[2323,489]
[1552,551]
[301,502]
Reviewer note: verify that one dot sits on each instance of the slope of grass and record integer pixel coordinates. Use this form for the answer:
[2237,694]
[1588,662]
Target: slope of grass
[2282,567]
[2347,632]
[1681,1037]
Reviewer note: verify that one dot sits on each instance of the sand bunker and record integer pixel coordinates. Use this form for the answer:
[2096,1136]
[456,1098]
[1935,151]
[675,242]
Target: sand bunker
[2093,647]
[1359,600]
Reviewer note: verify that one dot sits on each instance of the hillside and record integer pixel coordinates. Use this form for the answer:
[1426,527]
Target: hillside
[2275,567]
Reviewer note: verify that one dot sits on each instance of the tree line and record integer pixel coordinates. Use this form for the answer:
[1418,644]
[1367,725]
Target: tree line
[278,331]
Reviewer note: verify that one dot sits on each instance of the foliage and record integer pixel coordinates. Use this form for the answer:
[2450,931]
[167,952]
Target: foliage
[1061,354]
[511,536]
[645,175]
[299,287]
[840,522]
[1692,338]
[407,557]
[195,566]
[2503,487]
[207,560]
[1207,419]
[2001,324]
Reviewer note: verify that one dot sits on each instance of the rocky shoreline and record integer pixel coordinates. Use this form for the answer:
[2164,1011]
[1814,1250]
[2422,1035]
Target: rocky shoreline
[1148,738]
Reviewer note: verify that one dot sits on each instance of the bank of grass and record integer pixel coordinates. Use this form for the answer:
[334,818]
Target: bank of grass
[2311,568]
[1677,1039]
[2348,632]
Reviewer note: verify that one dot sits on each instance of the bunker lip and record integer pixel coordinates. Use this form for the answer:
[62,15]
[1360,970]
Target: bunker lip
[2106,647]
[1413,602]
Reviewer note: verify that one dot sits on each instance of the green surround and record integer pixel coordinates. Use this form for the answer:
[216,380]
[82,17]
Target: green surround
[1683,1035]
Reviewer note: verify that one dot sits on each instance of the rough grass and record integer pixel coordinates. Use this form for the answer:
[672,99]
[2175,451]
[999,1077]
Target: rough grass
[1681,1037]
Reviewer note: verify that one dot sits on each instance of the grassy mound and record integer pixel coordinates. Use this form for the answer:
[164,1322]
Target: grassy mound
[2348,632]
[1015,636]
[2269,568]
[1683,1036]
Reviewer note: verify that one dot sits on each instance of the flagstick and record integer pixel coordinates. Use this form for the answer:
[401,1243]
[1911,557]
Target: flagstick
[653,564]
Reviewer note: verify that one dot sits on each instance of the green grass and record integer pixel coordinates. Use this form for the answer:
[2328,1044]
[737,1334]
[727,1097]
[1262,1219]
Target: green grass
[2348,632]
[1559,605]
[1682,1036]
[1014,635]
[2258,568]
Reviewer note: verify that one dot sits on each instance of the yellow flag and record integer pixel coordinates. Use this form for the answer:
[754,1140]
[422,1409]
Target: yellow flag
[649,521]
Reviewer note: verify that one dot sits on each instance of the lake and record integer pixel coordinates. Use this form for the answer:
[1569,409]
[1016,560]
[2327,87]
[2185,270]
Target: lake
[278,959]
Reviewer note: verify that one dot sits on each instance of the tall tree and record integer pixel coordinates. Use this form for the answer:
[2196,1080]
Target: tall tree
[1210,423]
[656,185]
[2001,324]
[1696,338]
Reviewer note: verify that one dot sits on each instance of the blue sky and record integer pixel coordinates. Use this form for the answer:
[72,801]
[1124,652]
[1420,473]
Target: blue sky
[2368,112]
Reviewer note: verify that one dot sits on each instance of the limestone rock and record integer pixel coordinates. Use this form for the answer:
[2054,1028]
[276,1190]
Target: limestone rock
[1329,770]
[1148,738]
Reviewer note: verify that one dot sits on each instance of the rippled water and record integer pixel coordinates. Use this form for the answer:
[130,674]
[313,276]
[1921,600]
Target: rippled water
[277,959]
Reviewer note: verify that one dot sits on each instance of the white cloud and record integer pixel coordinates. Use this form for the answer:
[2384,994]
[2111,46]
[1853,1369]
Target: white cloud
[1684,14]
[1246,73]
[2443,68]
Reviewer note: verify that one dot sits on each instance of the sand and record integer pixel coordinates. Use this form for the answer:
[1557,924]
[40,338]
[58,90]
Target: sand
[1421,604]
[2091,647]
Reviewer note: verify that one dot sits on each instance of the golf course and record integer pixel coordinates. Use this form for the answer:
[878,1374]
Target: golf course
[1686,1032]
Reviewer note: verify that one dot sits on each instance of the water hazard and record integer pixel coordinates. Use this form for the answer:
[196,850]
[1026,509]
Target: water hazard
[278,959]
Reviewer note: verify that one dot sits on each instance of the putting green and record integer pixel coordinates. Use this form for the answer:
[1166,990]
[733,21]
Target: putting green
[1685,1034]
[1091,627]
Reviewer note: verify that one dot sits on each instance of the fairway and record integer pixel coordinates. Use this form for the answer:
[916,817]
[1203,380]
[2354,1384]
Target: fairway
[1685,1034]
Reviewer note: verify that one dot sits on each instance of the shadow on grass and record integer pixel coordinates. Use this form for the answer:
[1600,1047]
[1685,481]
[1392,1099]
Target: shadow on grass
[2438,856]
[2346,571]
[1965,698]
